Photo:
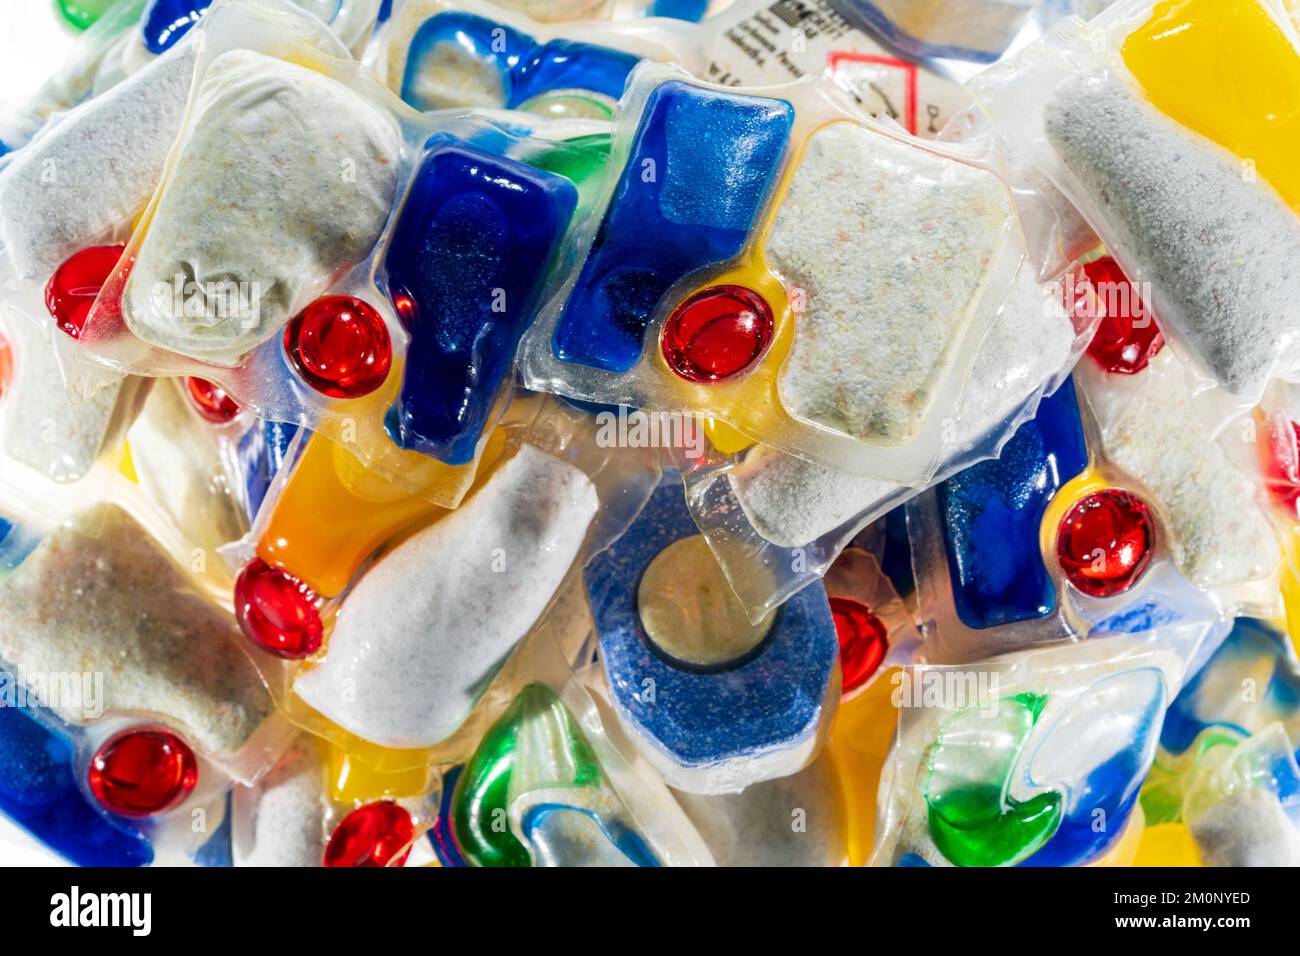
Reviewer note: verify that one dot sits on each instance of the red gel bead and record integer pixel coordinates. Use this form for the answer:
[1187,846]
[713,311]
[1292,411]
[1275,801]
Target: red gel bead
[142,772]
[6,364]
[717,333]
[1105,542]
[1120,346]
[339,346]
[864,640]
[211,400]
[1282,467]
[277,612]
[372,835]
[72,289]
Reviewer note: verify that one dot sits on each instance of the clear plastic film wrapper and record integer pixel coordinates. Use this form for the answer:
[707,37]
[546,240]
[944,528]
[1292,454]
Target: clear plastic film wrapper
[1222,790]
[758,506]
[1182,167]
[138,664]
[440,55]
[1033,758]
[324,589]
[313,300]
[809,348]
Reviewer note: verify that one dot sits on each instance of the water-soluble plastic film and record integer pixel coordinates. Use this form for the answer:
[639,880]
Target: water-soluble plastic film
[313,299]
[331,590]
[679,651]
[792,516]
[554,766]
[1182,166]
[730,205]
[437,54]
[757,43]
[42,428]
[194,670]
[977,30]
[1222,789]
[1010,761]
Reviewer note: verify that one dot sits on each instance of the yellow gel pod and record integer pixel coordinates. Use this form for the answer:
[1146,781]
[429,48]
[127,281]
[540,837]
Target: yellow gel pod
[1081,485]
[333,512]
[1228,71]
[1167,844]
[353,781]
[331,515]
[860,739]
[126,464]
[1291,587]
[1124,851]
[727,440]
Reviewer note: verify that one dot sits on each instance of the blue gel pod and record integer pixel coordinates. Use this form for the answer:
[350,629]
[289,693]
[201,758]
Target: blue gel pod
[164,22]
[554,830]
[566,65]
[1254,651]
[217,851]
[692,11]
[768,702]
[700,167]
[39,792]
[442,836]
[525,68]
[261,454]
[1112,786]
[992,514]
[470,252]
[473,36]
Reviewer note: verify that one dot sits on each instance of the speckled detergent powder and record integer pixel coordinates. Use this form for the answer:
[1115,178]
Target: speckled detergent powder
[892,248]
[1220,534]
[420,636]
[1220,251]
[281,820]
[95,169]
[792,502]
[99,595]
[41,425]
[287,179]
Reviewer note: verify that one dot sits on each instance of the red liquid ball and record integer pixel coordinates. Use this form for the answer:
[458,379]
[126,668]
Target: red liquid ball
[717,333]
[1281,465]
[72,289]
[339,346]
[864,640]
[1105,542]
[211,400]
[142,772]
[277,612]
[6,364]
[372,835]
[1127,337]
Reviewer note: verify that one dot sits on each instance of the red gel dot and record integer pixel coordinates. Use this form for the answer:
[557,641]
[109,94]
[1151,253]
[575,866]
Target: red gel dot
[717,333]
[372,835]
[339,346]
[1127,337]
[142,772]
[864,640]
[277,612]
[72,289]
[1281,464]
[1105,542]
[6,364]
[211,400]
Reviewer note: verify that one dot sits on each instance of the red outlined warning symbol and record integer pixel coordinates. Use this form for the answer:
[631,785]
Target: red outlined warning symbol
[881,83]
